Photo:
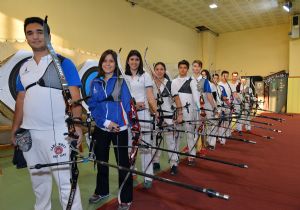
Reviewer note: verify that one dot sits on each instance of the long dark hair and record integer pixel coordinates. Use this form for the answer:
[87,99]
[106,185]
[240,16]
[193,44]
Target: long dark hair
[207,74]
[140,70]
[102,58]
[164,66]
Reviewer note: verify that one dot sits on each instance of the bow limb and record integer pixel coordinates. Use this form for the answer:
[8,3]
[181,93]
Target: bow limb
[134,125]
[159,102]
[67,96]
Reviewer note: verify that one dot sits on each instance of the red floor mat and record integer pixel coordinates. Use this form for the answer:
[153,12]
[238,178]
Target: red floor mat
[272,180]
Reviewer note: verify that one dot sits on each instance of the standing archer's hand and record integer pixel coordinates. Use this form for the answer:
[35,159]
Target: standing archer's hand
[113,127]
[78,130]
[140,106]
[179,118]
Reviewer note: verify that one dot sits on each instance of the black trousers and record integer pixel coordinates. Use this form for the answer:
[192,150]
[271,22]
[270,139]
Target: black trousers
[102,145]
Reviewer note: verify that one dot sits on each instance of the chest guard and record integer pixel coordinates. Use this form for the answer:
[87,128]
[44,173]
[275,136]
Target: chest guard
[186,87]
[200,86]
[167,90]
[50,77]
[115,95]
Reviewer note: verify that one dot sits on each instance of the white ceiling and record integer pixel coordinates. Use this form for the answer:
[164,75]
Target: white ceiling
[231,15]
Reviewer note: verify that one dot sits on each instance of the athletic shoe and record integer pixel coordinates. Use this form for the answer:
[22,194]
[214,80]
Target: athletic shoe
[211,147]
[147,184]
[156,166]
[124,206]
[96,198]
[191,162]
[173,170]
[240,133]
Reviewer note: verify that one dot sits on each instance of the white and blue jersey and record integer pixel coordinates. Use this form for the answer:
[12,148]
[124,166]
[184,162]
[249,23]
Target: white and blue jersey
[44,106]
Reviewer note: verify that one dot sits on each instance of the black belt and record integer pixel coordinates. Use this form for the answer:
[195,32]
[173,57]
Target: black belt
[39,82]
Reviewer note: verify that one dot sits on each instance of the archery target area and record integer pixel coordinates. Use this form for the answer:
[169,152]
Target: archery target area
[87,73]
[9,71]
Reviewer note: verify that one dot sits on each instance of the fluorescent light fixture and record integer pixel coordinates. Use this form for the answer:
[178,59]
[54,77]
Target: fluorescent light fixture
[287,6]
[213,5]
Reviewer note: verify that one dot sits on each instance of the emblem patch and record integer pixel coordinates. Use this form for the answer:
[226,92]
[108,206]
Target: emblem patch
[58,150]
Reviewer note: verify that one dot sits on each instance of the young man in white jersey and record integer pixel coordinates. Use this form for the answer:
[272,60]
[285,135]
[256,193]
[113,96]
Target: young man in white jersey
[196,68]
[237,105]
[247,97]
[40,109]
[220,98]
[186,88]
[210,106]
[226,110]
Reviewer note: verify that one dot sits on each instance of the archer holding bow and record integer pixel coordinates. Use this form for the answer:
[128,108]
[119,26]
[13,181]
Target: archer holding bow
[141,87]
[40,112]
[110,107]
[163,89]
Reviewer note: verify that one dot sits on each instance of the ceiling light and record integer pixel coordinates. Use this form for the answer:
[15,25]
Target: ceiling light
[213,5]
[287,6]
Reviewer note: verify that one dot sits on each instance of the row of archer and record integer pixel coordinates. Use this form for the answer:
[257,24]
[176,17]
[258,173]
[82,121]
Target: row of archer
[203,119]
[120,100]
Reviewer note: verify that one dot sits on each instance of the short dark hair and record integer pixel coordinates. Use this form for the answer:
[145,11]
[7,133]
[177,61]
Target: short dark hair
[184,62]
[224,72]
[235,72]
[37,20]
[140,70]
[215,75]
[102,58]
[198,62]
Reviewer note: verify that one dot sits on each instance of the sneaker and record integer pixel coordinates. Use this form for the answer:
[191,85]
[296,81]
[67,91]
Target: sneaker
[222,142]
[147,184]
[124,206]
[191,162]
[96,198]
[240,133]
[173,170]
[211,147]
[156,166]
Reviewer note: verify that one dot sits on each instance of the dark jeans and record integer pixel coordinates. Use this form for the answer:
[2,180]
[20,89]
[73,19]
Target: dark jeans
[102,146]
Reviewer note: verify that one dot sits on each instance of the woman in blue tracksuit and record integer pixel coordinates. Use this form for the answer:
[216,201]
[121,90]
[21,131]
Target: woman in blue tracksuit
[110,105]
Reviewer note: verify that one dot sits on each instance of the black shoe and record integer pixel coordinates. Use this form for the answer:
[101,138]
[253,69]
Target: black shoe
[173,170]
[96,198]
[156,166]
